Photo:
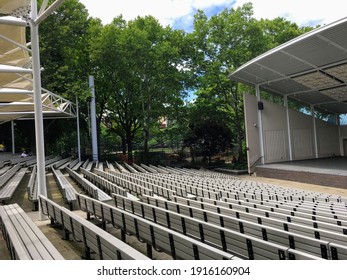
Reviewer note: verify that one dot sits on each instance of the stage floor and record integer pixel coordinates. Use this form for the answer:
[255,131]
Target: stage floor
[330,171]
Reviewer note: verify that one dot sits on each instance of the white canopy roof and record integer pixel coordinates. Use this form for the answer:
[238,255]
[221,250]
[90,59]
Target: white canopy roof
[16,84]
[311,68]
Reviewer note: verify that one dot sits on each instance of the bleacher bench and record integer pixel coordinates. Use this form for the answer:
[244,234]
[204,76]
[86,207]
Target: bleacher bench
[67,190]
[32,188]
[24,239]
[88,186]
[8,190]
[94,239]
[158,237]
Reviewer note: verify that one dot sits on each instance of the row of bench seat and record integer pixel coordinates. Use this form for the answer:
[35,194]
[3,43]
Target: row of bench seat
[95,240]
[244,239]
[88,186]
[24,239]
[67,190]
[102,183]
[32,188]
[313,227]
[295,235]
[7,191]
[157,237]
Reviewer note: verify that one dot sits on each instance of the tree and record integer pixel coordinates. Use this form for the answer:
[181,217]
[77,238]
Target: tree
[160,72]
[64,53]
[222,44]
[208,131]
[138,70]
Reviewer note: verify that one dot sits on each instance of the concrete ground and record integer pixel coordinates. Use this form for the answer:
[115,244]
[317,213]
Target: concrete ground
[72,250]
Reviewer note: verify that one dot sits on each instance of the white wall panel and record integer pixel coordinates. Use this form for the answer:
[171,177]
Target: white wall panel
[302,143]
[275,145]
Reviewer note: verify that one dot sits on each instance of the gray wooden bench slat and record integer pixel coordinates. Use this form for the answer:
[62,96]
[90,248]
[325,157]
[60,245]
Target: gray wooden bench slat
[212,230]
[8,190]
[67,190]
[88,186]
[13,240]
[93,237]
[32,240]
[156,235]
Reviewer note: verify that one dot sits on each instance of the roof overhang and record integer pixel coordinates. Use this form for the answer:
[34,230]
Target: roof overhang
[311,68]
[16,75]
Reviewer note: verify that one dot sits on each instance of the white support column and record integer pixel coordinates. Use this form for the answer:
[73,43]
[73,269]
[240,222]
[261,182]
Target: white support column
[78,130]
[260,125]
[314,132]
[40,144]
[13,140]
[288,128]
[93,119]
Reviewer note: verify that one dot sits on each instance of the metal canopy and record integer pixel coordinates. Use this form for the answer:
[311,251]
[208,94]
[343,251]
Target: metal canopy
[16,74]
[20,74]
[311,68]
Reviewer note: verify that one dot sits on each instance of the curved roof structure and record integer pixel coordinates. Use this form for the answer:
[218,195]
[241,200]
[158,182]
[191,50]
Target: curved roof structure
[16,78]
[311,68]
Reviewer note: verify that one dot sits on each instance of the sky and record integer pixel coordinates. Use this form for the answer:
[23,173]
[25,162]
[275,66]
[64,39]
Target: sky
[179,13]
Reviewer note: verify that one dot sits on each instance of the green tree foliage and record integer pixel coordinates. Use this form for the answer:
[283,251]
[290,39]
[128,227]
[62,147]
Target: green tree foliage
[222,44]
[64,53]
[208,132]
[64,50]
[139,74]
[143,71]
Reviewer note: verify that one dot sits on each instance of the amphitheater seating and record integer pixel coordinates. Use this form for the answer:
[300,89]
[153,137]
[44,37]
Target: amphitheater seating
[67,190]
[88,187]
[156,236]
[121,168]
[130,168]
[12,184]
[89,166]
[32,188]
[77,165]
[192,214]
[296,235]
[110,166]
[139,168]
[21,160]
[313,223]
[58,162]
[280,220]
[136,187]
[94,239]
[102,183]
[8,174]
[24,239]
[4,169]
[223,232]
[149,169]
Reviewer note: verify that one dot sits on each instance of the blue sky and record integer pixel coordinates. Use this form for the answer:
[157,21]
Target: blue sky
[186,22]
[179,13]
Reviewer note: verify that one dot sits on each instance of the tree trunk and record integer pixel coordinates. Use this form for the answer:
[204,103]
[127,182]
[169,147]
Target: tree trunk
[192,154]
[124,145]
[130,150]
[145,145]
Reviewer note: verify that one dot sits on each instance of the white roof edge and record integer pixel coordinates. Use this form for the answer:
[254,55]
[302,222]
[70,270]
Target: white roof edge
[14,91]
[12,21]
[14,69]
[291,42]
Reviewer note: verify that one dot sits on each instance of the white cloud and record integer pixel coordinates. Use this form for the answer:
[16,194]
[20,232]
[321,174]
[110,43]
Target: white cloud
[302,12]
[166,11]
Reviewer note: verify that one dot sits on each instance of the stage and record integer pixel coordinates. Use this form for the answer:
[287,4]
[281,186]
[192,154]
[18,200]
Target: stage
[330,171]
